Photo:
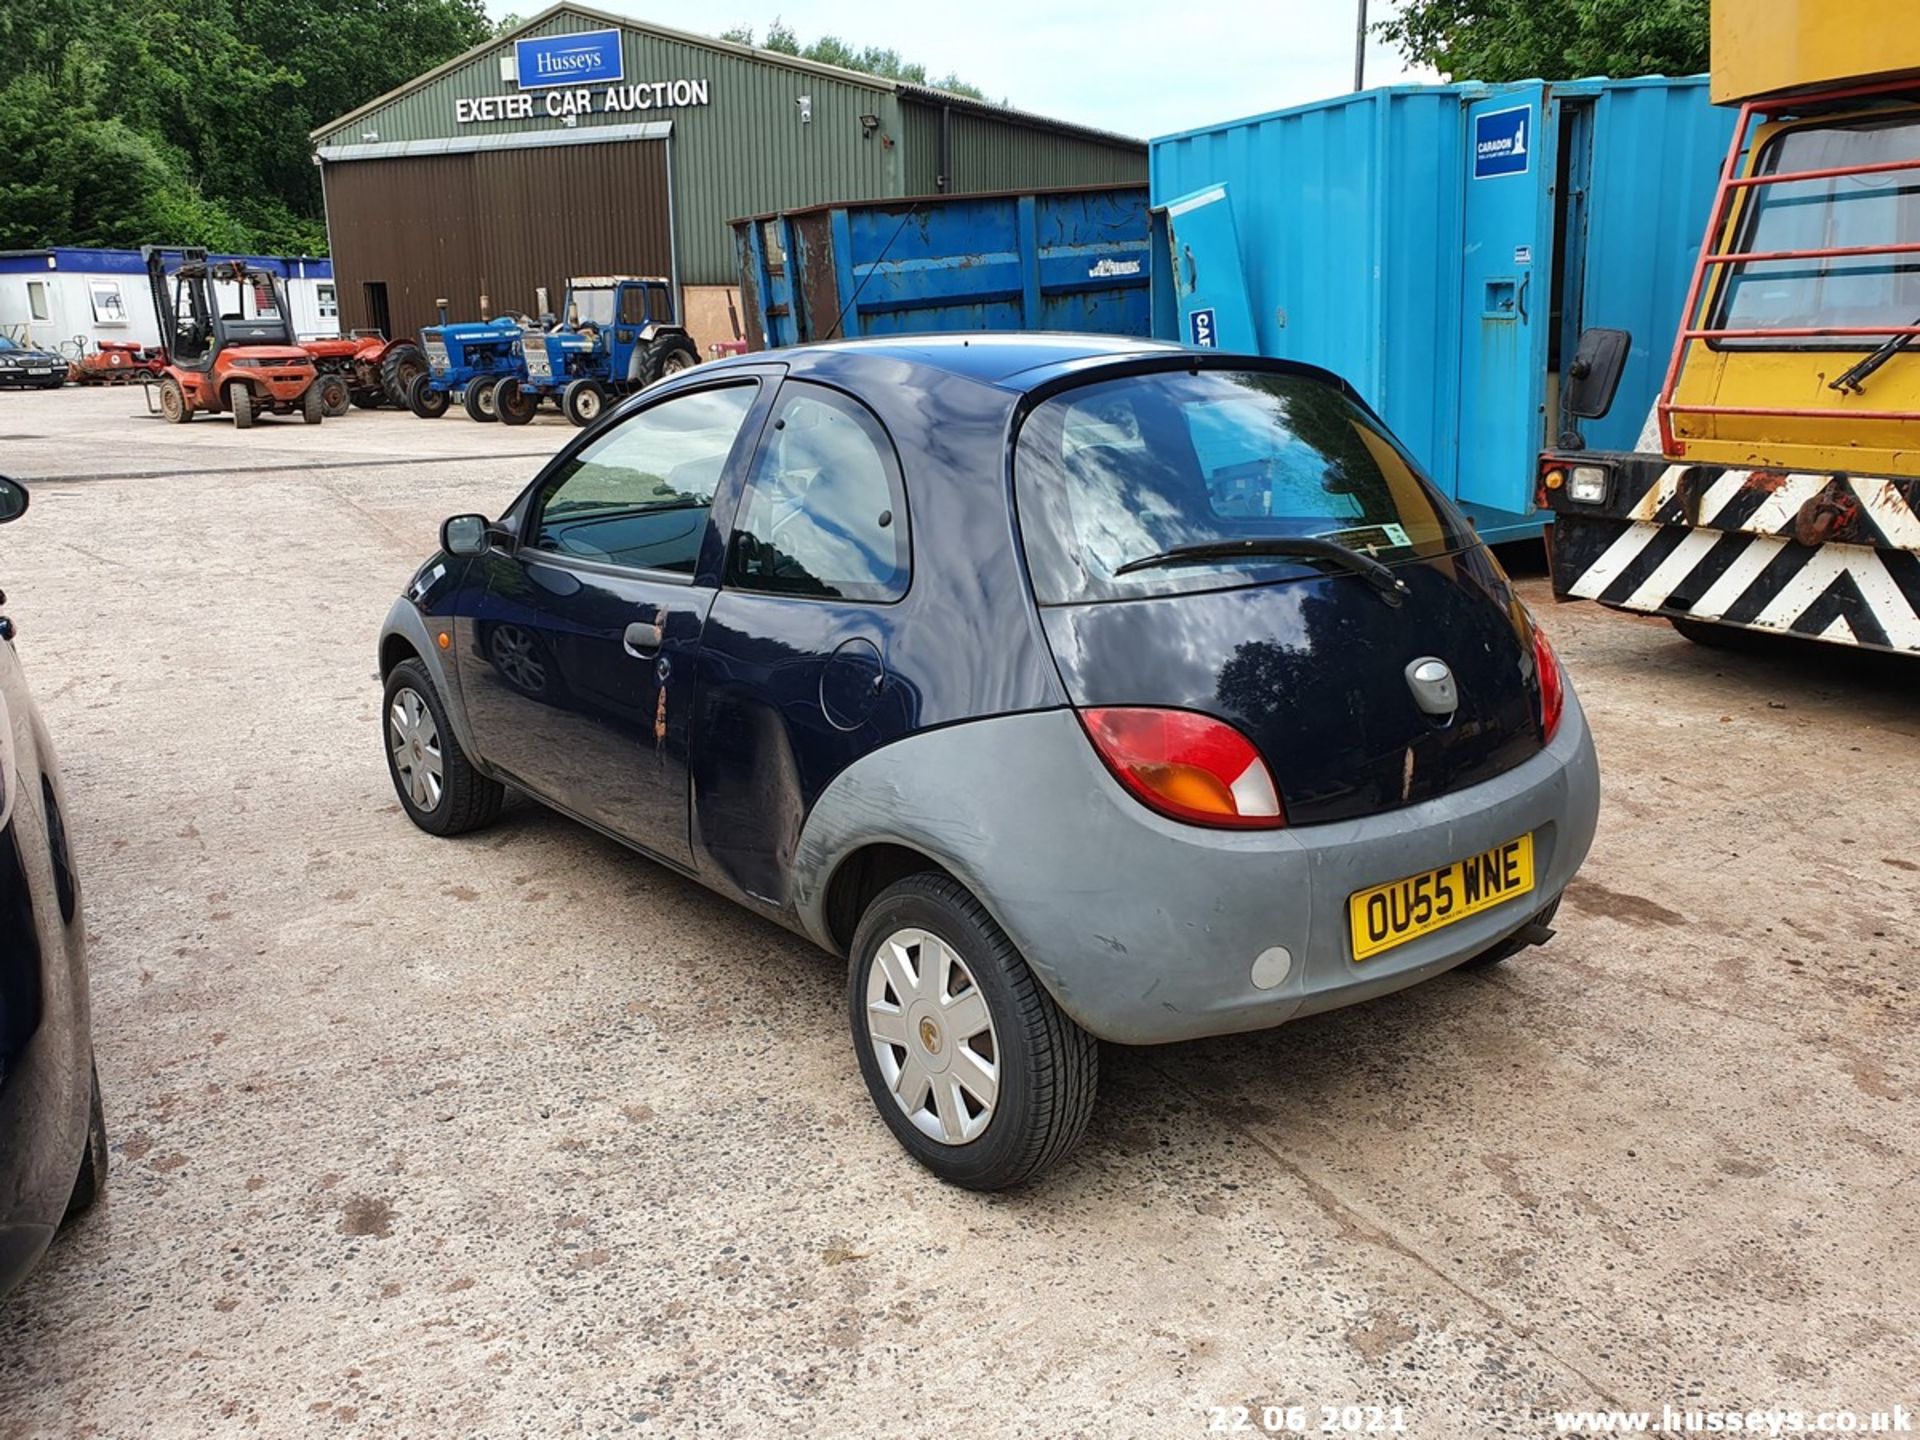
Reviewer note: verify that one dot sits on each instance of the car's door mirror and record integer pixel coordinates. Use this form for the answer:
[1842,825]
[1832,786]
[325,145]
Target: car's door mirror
[1594,375]
[464,535]
[13,499]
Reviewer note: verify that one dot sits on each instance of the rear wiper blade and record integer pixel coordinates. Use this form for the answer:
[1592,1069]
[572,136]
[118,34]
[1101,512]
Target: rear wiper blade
[1870,363]
[1290,547]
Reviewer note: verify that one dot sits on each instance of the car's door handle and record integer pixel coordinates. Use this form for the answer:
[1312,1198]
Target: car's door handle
[643,640]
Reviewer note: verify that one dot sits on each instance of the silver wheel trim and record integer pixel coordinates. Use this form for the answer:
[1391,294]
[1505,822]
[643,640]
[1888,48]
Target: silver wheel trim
[588,405]
[933,1036]
[414,742]
[513,652]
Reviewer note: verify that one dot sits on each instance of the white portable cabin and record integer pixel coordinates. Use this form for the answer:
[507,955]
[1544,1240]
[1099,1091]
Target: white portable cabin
[70,299]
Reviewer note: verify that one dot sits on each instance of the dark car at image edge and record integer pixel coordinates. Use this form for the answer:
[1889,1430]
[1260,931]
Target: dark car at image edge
[53,1147]
[1074,689]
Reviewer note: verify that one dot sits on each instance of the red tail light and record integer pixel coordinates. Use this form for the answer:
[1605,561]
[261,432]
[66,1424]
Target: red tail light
[1187,766]
[1553,686]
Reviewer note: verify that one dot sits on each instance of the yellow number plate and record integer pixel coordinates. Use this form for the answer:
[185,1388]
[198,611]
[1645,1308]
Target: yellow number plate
[1392,914]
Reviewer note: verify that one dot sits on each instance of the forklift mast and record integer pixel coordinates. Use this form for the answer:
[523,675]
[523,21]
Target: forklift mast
[195,279]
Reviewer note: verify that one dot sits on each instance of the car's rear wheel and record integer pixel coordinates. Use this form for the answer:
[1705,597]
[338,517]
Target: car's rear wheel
[91,1183]
[438,786]
[977,1072]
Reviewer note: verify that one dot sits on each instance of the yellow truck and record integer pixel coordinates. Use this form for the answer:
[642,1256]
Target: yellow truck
[1784,495]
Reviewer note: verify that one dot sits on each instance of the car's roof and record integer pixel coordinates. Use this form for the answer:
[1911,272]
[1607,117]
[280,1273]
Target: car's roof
[1014,360]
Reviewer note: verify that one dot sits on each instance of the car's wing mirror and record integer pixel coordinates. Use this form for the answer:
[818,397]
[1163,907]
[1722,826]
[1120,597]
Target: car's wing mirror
[1594,375]
[464,535]
[13,499]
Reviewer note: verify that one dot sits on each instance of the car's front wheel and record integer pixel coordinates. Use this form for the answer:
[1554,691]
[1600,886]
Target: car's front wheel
[973,1067]
[438,786]
[91,1182]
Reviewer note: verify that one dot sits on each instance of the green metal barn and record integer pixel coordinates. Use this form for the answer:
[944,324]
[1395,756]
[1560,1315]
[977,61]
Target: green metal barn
[588,143]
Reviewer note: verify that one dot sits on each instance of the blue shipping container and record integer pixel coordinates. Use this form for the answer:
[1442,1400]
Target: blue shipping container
[1442,247]
[1068,259]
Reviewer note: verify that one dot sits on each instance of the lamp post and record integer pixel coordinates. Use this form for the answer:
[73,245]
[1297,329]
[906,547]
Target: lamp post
[1360,47]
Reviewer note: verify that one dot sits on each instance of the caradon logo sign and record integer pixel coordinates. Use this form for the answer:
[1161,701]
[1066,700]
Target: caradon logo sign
[581,59]
[1500,142]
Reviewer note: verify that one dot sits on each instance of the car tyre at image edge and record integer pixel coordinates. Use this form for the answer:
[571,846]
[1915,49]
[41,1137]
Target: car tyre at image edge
[1048,1068]
[91,1183]
[468,800]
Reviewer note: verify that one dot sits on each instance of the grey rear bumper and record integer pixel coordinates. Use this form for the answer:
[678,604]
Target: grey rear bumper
[1145,930]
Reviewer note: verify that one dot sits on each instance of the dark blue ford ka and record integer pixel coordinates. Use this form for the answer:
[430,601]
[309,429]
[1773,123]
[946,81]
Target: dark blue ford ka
[1073,688]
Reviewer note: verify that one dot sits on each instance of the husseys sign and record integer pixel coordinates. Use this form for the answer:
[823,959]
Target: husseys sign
[573,75]
[544,60]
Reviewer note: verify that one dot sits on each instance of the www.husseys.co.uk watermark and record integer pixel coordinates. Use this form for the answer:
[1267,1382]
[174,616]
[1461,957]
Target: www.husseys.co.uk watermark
[1672,1420]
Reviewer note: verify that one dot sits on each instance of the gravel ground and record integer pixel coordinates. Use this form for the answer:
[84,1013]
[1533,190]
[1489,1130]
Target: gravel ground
[521,1135]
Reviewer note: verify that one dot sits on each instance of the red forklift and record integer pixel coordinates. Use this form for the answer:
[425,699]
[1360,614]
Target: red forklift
[229,341]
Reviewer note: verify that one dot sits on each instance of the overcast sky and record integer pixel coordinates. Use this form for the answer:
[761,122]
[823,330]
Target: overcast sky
[1141,67]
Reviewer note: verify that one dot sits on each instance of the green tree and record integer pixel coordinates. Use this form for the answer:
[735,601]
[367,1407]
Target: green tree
[832,50]
[186,121]
[1498,40]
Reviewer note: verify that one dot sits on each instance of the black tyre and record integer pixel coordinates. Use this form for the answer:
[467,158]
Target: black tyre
[403,364]
[1513,945]
[91,1183]
[973,1067]
[173,402]
[512,404]
[438,787]
[367,399]
[668,355]
[477,401]
[313,403]
[240,401]
[425,401]
[1725,637]
[335,398]
[583,401]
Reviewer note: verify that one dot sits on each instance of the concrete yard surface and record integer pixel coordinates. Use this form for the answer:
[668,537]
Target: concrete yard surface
[522,1135]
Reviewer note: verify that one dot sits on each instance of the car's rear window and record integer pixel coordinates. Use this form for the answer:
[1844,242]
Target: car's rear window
[1116,472]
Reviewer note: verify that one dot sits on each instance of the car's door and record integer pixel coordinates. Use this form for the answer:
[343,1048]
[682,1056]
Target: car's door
[794,682]
[578,667]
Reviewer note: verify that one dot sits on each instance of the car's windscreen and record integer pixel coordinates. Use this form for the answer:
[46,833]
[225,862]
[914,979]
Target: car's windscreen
[1134,470]
[6,344]
[1837,212]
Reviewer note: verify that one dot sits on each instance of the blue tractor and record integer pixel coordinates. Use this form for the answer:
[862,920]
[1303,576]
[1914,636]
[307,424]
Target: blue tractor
[619,335]
[467,358]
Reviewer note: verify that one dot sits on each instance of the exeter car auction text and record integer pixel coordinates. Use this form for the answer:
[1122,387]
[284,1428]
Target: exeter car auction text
[648,95]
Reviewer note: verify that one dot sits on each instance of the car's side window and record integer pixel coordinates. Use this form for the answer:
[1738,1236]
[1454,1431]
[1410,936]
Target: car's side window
[639,495]
[825,513]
